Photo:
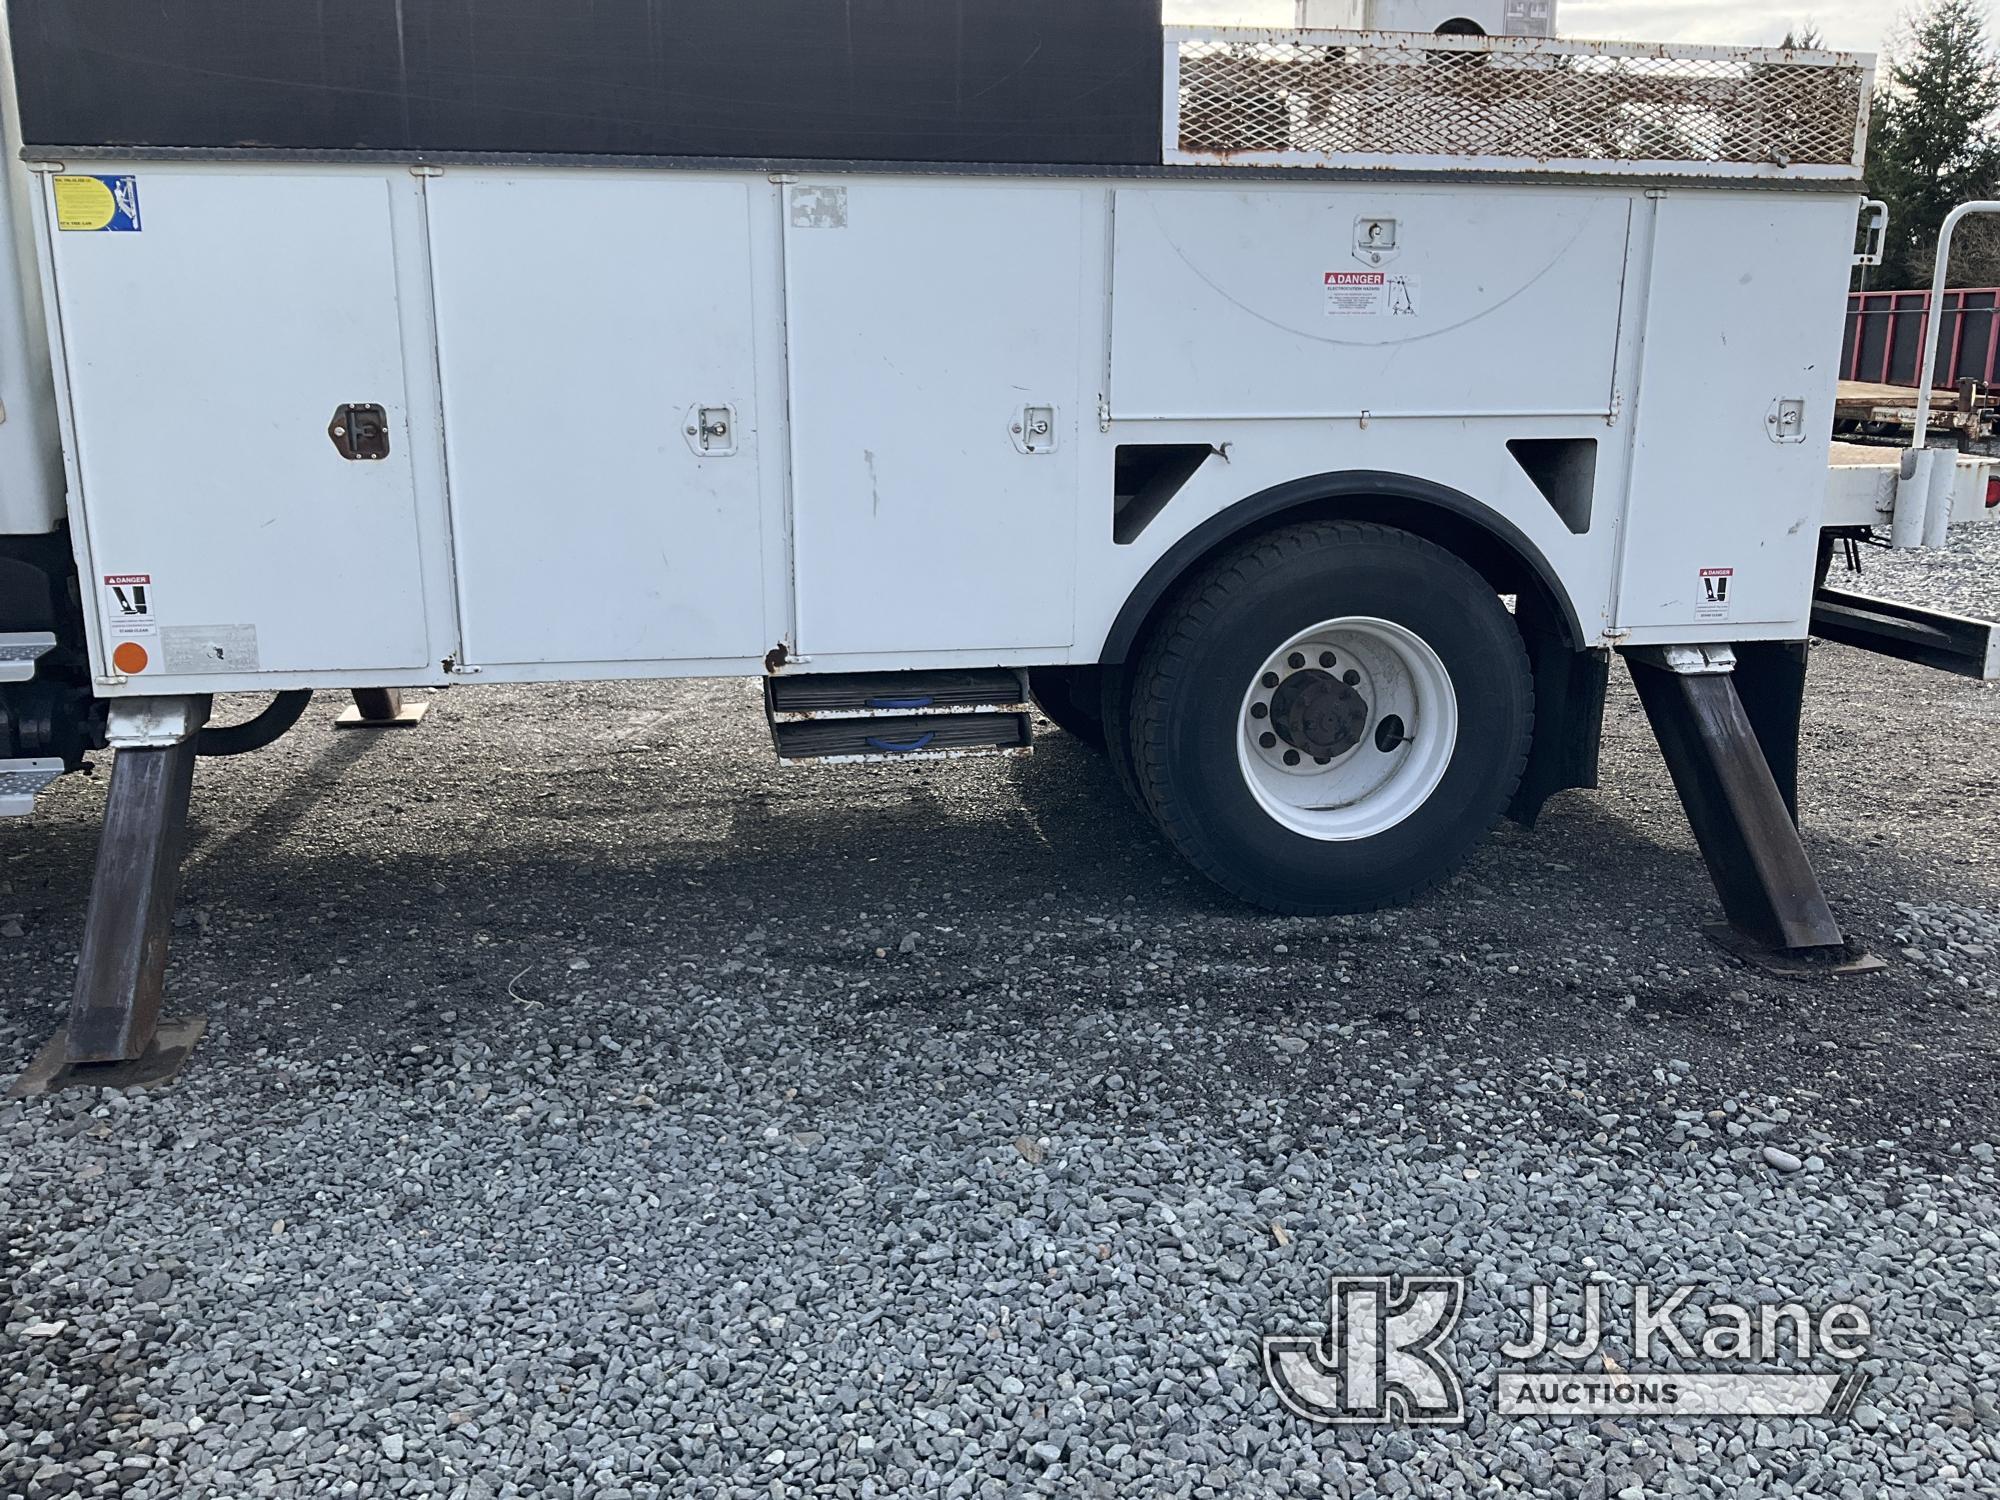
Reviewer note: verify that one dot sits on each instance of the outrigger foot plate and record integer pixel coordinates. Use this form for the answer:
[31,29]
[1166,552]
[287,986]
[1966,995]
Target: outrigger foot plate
[161,1062]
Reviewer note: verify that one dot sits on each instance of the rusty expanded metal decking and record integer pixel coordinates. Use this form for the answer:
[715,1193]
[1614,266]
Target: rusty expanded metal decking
[1400,100]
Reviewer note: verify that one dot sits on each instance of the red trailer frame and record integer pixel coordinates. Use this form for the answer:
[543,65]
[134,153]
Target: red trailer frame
[1885,337]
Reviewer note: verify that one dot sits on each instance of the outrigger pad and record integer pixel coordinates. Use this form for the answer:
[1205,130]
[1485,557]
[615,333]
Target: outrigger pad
[1845,964]
[173,1043]
[381,708]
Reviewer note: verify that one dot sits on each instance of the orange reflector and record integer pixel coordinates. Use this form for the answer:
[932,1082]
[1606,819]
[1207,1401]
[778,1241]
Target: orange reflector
[130,658]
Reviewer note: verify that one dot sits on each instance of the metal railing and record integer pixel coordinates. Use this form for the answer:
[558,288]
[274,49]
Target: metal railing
[1923,492]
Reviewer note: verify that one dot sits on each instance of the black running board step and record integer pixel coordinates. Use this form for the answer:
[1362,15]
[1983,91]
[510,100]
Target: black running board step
[880,741]
[1928,637]
[859,695]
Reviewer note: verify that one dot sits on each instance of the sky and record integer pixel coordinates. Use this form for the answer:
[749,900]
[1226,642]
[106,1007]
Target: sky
[1848,25]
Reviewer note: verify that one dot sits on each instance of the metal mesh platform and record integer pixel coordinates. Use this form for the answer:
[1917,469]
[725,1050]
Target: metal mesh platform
[1328,98]
[22,781]
[20,650]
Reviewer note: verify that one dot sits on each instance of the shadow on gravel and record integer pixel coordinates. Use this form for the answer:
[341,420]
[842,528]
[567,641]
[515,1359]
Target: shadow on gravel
[349,899]
[304,790]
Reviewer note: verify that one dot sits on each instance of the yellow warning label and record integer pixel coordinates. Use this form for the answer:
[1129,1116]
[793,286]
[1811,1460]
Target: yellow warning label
[90,204]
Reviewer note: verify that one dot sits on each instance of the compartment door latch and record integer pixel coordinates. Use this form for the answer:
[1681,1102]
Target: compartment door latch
[1034,429]
[711,431]
[1785,422]
[360,431]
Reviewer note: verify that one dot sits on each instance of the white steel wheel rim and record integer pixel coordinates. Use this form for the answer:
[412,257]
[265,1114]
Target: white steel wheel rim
[1372,682]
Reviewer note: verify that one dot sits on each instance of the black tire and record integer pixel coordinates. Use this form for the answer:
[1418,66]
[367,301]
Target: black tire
[1115,700]
[1071,697]
[1188,693]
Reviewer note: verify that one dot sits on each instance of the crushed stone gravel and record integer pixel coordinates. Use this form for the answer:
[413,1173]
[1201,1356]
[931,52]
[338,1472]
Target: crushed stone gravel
[590,1108]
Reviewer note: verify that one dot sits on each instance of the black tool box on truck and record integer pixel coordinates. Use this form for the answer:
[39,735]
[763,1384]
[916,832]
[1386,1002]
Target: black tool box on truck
[953,81]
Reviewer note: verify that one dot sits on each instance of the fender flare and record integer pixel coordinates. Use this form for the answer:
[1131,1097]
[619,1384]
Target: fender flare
[1431,510]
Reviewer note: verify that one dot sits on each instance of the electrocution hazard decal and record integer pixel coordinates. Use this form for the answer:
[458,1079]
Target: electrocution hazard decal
[131,628]
[1715,603]
[1371,294]
[96,204]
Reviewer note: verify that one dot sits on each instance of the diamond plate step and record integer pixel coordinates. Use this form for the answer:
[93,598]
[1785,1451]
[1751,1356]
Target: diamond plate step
[22,781]
[20,650]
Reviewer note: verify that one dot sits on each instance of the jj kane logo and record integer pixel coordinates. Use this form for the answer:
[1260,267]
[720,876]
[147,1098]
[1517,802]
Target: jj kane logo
[1380,1360]
[1384,1357]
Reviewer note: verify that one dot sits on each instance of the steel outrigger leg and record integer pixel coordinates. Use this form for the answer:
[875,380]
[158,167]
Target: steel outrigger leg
[1726,764]
[115,1036]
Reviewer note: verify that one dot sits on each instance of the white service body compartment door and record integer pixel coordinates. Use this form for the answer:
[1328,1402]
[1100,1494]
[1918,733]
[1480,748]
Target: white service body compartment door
[209,335]
[585,320]
[1743,329]
[1269,303]
[927,321]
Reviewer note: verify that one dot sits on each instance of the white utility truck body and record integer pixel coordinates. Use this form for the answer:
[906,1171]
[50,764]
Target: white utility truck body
[1219,384]
[541,338]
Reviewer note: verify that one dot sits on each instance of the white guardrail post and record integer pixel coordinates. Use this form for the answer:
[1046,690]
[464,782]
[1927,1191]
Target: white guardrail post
[1923,492]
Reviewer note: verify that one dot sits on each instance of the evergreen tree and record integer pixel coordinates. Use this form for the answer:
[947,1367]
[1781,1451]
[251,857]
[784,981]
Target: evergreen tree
[1933,145]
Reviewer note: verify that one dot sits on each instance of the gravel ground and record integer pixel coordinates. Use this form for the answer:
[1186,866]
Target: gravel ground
[590,1108]
[1963,578]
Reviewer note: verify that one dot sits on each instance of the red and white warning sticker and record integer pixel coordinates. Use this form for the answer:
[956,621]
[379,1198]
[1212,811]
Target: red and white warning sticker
[131,622]
[1371,294]
[1714,601]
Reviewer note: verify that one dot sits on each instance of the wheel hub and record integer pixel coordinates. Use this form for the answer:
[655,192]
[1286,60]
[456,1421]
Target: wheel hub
[1318,715]
[1347,728]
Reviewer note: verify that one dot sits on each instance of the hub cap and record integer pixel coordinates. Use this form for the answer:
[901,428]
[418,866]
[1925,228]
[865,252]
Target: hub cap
[1347,728]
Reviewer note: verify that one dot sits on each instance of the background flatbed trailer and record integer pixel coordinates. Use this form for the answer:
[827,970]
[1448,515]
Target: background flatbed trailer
[1964,416]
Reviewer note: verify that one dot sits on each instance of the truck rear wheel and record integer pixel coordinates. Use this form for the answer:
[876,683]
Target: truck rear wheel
[1331,717]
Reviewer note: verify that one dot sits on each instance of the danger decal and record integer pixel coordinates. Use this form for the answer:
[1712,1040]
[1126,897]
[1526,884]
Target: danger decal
[1714,602]
[1371,294]
[131,623]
